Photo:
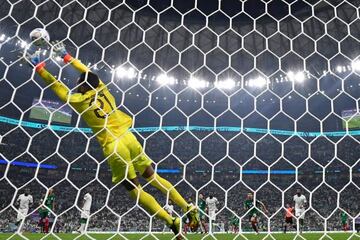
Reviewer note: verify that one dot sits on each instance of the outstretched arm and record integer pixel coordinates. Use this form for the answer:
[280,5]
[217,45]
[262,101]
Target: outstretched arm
[56,85]
[76,63]
[60,50]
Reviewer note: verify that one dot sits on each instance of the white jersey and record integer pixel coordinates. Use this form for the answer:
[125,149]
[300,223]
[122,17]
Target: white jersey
[87,202]
[24,201]
[211,203]
[169,209]
[300,201]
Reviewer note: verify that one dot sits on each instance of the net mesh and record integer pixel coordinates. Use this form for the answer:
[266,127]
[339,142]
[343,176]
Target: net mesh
[228,98]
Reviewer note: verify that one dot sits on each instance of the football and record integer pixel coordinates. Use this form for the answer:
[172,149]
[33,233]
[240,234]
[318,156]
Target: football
[39,37]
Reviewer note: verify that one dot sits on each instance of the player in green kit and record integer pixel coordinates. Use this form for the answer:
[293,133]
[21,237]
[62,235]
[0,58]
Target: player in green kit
[202,208]
[253,210]
[44,219]
[344,220]
[50,200]
[234,223]
[44,211]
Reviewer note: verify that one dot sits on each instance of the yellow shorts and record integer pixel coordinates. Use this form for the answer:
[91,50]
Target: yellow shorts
[126,156]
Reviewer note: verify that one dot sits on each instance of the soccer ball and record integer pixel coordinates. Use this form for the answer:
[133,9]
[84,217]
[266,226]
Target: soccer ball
[39,37]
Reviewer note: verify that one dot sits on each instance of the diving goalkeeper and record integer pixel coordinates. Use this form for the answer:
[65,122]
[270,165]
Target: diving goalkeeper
[124,153]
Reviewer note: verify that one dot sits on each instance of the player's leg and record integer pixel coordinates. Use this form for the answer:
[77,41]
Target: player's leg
[83,220]
[301,220]
[123,170]
[212,219]
[167,188]
[210,223]
[82,225]
[297,215]
[20,219]
[46,224]
[203,224]
[253,221]
[164,228]
[293,224]
[202,230]
[143,164]
[287,224]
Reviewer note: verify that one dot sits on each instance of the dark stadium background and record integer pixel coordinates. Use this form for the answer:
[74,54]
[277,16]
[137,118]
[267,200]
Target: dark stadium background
[327,166]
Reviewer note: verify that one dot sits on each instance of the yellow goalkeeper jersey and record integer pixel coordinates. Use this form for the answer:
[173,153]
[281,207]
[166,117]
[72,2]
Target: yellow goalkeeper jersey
[97,107]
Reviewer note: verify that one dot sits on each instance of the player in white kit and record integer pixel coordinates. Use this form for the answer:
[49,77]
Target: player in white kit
[300,205]
[24,201]
[211,203]
[85,212]
[170,209]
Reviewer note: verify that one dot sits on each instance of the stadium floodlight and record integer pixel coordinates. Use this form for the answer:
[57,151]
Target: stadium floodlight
[196,83]
[122,72]
[355,65]
[225,84]
[258,82]
[300,77]
[163,79]
[23,44]
[296,77]
[339,69]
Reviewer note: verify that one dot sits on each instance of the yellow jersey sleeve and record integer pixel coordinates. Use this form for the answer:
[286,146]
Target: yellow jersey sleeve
[78,65]
[59,88]
[97,107]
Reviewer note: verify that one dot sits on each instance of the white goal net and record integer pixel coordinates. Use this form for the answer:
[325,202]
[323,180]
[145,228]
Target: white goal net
[227,97]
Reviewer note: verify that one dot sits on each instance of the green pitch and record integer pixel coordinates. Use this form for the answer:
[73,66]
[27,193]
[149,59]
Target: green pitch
[38,112]
[353,123]
[277,236]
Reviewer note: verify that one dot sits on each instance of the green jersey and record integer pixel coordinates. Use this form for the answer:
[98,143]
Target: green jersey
[249,204]
[234,221]
[50,201]
[344,217]
[202,205]
[43,212]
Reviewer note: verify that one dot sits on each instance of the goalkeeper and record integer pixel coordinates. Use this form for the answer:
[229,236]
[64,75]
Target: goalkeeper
[124,153]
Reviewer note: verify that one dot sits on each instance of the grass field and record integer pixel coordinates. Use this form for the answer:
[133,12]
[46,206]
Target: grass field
[38,112]
[277,236]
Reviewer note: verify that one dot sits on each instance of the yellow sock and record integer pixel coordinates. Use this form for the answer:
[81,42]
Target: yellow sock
[166,187]
[150,204]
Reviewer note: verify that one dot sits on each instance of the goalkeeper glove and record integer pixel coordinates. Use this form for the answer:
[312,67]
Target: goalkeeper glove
[59,49]
[32,59]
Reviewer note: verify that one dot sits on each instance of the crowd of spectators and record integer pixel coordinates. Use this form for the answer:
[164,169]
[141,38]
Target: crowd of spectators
[228,167]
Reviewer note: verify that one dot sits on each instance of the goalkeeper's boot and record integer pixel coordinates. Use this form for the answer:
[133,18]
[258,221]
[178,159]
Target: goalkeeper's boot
[175,227]
[193,216]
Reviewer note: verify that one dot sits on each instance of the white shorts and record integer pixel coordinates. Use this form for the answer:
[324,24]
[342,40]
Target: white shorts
[212,215]
[85,214]
[22,213]
[300,213]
